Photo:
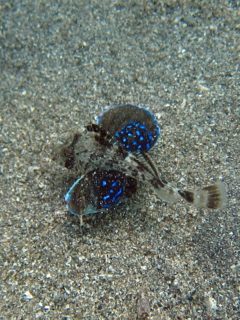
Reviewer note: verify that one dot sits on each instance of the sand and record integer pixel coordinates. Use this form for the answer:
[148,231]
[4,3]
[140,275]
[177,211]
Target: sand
[60,65]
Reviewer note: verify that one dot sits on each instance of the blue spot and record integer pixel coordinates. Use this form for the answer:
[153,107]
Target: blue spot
[130,134]
[141,138]
[104,183]
[134,143]
[106,197]
[124,139]
[114,183]
[150,136]
[118,194]
[138,132]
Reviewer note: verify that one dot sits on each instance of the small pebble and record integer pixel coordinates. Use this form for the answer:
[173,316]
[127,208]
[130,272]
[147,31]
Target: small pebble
[27,296]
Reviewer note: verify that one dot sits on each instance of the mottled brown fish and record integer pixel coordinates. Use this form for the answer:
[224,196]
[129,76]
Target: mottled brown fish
[109,145]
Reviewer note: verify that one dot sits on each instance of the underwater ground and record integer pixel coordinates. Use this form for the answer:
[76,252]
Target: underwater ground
[61,63]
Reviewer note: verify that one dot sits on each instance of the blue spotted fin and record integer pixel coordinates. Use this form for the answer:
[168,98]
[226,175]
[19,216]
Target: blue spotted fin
[98,191]
[135,128]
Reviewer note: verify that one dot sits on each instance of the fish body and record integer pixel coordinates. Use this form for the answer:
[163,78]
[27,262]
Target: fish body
[112,160]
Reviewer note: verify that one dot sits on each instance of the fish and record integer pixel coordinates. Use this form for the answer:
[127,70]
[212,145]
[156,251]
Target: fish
[118,144]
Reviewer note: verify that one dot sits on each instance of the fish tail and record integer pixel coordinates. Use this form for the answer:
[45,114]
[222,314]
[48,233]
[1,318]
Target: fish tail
[212,197]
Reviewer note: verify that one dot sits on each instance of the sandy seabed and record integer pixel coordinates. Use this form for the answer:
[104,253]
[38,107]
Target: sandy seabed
[60,65]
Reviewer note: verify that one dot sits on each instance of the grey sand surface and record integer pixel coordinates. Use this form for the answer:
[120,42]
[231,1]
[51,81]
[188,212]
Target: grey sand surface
[60,65]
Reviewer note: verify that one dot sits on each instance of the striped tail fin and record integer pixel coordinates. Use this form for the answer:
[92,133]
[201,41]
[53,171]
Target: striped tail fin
[211,197]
